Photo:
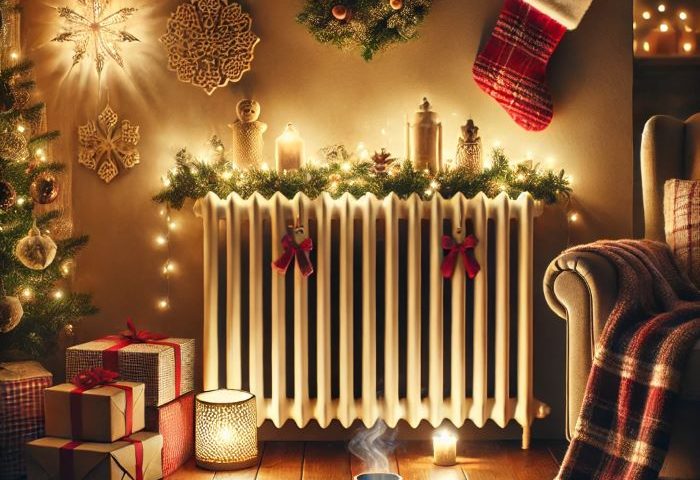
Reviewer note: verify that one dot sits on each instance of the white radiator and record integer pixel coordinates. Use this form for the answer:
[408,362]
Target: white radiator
[413,384]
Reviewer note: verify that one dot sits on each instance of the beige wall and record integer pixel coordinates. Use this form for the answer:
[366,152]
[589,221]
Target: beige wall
[332,97]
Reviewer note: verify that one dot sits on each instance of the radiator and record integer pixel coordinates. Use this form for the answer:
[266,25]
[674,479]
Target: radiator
[408,363]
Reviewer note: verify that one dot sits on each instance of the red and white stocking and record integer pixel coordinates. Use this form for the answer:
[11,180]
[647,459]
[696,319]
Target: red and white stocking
[512,67]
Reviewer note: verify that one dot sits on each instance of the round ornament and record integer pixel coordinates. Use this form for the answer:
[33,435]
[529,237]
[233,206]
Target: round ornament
[44,188]
[340,12]
[69,330]
[13,146]
[8,195]
[396,4]
[10,313]
[36,251]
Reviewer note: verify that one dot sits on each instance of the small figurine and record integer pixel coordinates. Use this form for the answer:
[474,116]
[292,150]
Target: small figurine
[248,135]
[469,149]
[424,139]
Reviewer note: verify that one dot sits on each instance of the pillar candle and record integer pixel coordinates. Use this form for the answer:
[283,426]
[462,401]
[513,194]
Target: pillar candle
[289,150]
[444,449]
[424,138]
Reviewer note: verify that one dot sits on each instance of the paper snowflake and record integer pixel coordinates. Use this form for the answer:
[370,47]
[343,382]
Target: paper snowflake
[94,32]
[104,142]
[209,43]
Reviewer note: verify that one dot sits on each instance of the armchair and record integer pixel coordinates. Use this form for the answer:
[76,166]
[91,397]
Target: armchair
[582,289]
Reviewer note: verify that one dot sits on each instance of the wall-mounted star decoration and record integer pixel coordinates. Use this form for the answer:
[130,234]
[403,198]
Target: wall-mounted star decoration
[104,142]
[95,32]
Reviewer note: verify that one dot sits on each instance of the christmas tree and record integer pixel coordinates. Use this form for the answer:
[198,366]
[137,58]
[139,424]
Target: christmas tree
[36,253]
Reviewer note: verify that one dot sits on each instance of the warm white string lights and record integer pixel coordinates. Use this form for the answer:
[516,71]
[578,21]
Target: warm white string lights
[162,241]
[664,29]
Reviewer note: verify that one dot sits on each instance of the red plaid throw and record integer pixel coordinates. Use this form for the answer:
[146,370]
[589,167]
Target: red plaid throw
[512,68]
[21,413]
[624,427]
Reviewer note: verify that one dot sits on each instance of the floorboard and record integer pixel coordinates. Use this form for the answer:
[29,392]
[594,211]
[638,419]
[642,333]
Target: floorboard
[533,464]
[326,461]
[415,461]
[485,461]
[357,466]
[281,461]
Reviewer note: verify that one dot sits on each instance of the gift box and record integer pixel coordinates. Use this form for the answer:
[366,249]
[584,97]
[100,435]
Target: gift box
[134,457]
[164,365]
[22,387]
[175,422]
[102,414]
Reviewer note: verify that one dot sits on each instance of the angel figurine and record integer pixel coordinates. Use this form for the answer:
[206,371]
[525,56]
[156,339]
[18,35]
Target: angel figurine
[248,135]
[469,148]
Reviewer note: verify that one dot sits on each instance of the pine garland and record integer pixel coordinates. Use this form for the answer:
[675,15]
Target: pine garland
[370,25]
[45,313]
[192,178]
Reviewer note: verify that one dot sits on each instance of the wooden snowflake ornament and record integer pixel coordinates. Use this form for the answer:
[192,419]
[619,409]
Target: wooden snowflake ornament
[209,43]
[105,142]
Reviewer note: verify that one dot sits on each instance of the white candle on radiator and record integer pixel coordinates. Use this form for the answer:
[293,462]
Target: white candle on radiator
[444,449]
[289,150]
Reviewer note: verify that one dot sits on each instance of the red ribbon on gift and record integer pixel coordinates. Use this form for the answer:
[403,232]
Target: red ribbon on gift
[138,452]
[110,356]
[66,459]
[93,378]
[466,250]
[292,250]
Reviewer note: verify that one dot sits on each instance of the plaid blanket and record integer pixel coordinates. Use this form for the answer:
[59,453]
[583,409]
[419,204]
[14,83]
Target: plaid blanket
[624,427]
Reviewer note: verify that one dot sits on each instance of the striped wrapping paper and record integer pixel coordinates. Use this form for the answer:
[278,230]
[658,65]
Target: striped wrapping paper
[175,422]
[150,363]
[22,387]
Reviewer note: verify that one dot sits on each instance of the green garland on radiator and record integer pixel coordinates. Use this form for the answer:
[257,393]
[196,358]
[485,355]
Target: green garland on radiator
[192,178]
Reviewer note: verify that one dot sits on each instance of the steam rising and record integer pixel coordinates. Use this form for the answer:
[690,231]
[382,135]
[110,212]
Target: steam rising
[373,446]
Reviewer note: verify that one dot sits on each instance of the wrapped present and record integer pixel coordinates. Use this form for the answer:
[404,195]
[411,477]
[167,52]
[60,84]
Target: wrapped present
[71,408]
[136,457]
[165,365]
[175,422]
[22,387]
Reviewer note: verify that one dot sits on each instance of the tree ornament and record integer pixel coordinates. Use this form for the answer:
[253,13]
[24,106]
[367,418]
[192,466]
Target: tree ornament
[36,251]
[382,161]
[247,146]
[104,143]
[370,26]
[424,135]
[209,43]
[8,195]
[94,31]
[44,188]
[469,155]
[10,313]
[340,12]
[13,146]
[69,330]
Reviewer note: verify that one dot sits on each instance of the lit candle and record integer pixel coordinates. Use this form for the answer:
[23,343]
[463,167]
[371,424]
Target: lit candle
[289,150]
[444,449]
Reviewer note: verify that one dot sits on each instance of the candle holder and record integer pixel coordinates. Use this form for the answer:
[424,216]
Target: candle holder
[226,434]
[445,449]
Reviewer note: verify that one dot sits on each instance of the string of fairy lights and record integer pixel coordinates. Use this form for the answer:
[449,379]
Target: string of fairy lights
[664,29]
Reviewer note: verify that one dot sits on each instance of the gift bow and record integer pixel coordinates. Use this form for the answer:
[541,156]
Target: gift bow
[292,250]
[94,377]
[466,249]
[139,336]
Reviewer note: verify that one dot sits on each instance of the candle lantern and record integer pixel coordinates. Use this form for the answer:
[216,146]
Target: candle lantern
[289,150]
[424,138]
[687,43]
[469,151]
[226,435]
[247,146]
[445,449]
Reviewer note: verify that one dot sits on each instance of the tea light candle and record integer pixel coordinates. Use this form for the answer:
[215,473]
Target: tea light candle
[445,449]
[289,149]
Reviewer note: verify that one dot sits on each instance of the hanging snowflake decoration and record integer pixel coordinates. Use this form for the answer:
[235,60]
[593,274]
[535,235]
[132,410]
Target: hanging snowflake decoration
[94,32]
[209,43]
[104,142]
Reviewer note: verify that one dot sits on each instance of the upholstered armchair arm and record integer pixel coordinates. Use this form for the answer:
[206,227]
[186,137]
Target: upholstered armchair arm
[582,289]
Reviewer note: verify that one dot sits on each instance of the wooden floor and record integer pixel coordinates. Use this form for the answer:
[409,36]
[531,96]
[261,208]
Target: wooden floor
[412,460]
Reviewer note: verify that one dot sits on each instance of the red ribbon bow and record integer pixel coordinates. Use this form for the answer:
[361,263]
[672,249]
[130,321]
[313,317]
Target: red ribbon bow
[94,377]
[291,250]
[139,336]
[466,248]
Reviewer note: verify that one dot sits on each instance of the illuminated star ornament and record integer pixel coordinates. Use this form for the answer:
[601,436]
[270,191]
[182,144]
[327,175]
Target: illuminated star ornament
[95,32]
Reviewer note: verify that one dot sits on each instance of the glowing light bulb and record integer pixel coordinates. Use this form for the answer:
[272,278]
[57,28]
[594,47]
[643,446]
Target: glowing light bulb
[574,217]
[520,177]
[663,27]
[264,167]
[227,175]
[21,128]
[646,47]
[687,47]
[346,167]
[646,15]
[165,180]
[21,201]
[172,225]
[14,55]
[66,268]
[161,240]
[27,294]
[503,187]
[169,267]
[683,15]
[661,8]
[58,294]
[163,304]
[434,185]
[428,192]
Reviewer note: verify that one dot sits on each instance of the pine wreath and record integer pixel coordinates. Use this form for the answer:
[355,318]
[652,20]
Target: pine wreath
[370,25]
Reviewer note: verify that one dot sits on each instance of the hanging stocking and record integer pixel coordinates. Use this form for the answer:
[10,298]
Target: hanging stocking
[512,67]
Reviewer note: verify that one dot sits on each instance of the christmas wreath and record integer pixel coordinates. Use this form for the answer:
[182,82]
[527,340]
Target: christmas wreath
[370,25]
